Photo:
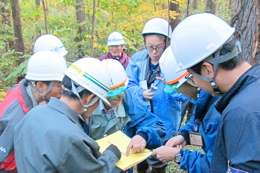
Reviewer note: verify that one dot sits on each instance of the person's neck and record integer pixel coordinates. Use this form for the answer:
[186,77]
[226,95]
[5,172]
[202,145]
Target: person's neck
[154,62]
[36,95]
[227,78]
[106,106]
[73,104]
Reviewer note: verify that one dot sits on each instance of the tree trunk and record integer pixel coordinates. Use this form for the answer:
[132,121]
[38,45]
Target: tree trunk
[188,8]
[195,4]
[19,44]
[211,6]
[37,29]
[5,13]
[93,28]
[45,10]
[174,7]
[247,23]
[81,18]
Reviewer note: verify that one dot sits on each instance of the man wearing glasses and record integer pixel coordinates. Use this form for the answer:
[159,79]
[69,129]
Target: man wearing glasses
[142,70]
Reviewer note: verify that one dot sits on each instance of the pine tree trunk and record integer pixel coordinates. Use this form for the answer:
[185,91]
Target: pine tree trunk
[19,44]
[81,19]
[247,23]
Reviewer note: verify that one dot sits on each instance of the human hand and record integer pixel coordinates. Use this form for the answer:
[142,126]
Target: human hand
[166,153]
[137,144]
[161,79]
[147,94]
[176,140]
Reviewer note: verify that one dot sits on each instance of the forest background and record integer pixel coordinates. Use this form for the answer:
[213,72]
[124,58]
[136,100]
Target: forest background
[84,25]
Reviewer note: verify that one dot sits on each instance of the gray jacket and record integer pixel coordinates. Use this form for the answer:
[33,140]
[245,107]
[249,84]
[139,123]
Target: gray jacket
[51,139]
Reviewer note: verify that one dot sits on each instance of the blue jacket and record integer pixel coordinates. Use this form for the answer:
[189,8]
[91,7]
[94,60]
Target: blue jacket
[13,108]
[132,117]
[166,106]
[195,161]
[238,139]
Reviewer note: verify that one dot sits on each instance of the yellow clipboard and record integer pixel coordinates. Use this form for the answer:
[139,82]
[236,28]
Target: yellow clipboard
[121,140]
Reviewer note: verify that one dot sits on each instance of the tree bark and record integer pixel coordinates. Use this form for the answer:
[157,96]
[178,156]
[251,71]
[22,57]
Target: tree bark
[247,23]
[211,6]
[45,10]
[93,28]
[81,18]
[174,7]
[195,4]
[5,13]
[19,44]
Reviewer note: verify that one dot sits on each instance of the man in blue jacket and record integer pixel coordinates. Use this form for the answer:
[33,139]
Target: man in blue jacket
[126,112]
[202,127]
[142,70]
[214,58]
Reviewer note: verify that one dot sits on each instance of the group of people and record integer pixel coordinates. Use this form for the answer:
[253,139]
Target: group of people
[50,120]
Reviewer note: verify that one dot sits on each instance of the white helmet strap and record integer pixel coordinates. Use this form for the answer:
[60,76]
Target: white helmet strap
[43,95]
[76,90]
[216,60]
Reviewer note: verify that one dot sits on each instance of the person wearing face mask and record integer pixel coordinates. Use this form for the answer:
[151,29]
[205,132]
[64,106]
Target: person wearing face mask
[125,113]
[202,127]
[142,70]
[55,130]
[42,81]
[116,42]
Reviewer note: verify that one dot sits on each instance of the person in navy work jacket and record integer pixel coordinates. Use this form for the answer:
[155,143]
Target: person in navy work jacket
[215,60]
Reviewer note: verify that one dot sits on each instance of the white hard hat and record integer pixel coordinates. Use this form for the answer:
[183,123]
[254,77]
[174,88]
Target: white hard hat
[91,74]
[115,38]
[117,73]
[197,37]
[157,26]
[50,42]
[46,66]
[168,66]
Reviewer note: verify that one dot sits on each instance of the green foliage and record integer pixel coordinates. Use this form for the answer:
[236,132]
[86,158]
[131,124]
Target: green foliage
[125,16]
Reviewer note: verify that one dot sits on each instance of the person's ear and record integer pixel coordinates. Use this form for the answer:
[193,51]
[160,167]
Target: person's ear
[88,98]
[207,69]
[42,87]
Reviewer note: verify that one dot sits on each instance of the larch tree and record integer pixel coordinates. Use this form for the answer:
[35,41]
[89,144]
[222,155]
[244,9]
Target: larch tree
[19,44]
[246,19]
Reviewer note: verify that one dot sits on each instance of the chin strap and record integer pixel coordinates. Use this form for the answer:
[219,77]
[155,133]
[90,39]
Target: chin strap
[43,95]
[76,90]
[217,59]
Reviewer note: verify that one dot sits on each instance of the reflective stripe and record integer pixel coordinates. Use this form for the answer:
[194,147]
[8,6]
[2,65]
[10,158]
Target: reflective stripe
[177,80]
[89,77]
[118,85]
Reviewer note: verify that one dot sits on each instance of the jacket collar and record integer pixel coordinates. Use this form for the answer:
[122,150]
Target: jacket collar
[246,79]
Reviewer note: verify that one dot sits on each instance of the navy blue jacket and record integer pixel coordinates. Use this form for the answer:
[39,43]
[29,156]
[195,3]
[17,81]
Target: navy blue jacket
[195,161]
[238,139]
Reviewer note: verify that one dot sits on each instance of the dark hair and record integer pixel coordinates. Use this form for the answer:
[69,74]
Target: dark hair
[159,35]
[228,65]
[66,82]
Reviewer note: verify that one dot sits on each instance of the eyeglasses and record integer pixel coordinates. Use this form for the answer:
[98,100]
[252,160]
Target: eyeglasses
[159,49]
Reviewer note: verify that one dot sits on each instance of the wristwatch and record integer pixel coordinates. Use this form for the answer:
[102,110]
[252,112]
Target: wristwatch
[177,157]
